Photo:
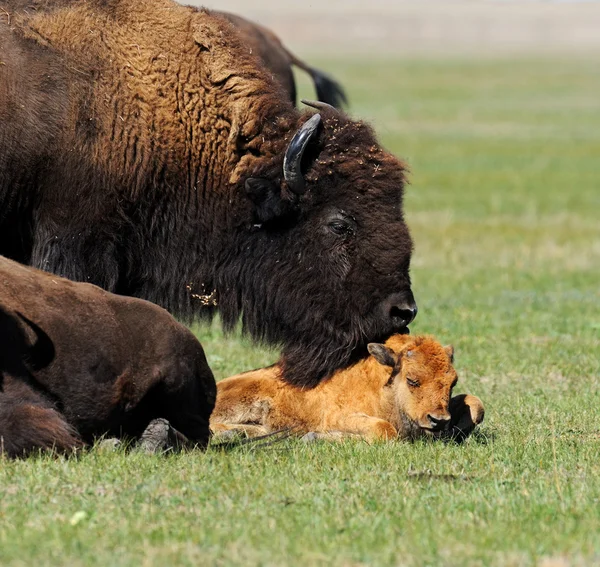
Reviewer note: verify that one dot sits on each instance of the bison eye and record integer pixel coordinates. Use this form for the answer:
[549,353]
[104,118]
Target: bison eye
[339,227]
[412,383]
[342,225]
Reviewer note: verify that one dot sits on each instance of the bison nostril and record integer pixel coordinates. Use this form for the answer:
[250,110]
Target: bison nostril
[403,315]
[398,311]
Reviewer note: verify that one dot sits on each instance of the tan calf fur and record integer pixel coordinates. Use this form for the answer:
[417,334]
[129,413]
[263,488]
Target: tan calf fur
[402,390]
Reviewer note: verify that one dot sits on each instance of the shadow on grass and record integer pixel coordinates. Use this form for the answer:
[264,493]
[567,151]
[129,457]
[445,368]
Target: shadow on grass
[429,476]
[478,437]
[483,437]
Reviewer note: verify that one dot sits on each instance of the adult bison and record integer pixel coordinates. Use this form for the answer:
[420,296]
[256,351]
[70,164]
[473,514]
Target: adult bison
[77,362]
[279,61]
[143,149]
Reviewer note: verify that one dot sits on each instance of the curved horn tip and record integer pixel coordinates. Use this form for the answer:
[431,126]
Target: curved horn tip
[293,156]
[311,125]
[318,104]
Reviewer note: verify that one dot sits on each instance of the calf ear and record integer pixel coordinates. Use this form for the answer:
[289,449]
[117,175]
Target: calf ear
[382,354]
[450,352]
[267,200]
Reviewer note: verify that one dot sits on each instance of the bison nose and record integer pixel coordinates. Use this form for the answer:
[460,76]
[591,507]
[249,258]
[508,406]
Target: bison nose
[439,422]
[401,310]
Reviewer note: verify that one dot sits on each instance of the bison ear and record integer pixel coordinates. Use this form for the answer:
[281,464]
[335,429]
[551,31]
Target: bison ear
[382,354]
[267,200]
[450,352]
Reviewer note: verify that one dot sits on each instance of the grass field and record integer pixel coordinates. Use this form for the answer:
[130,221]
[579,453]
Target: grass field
[504,208]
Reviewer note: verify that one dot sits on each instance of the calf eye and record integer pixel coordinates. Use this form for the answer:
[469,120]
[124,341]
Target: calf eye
[412,383]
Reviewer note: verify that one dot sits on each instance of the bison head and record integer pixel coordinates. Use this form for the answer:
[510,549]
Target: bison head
[327,269]
[422,378]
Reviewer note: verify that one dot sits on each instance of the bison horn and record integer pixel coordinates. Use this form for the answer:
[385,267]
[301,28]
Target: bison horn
[292,171]
[319,105]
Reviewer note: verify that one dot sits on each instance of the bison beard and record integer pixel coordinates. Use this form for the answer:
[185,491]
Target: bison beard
[152,157]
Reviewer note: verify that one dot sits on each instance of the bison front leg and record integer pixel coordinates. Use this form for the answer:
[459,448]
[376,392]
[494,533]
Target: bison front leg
[175,410]
[466,413]
[184,397]
[160,437]
[188,412]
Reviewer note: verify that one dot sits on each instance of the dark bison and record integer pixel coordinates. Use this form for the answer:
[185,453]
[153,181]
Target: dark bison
[279,61]
[143,149]
[77,362]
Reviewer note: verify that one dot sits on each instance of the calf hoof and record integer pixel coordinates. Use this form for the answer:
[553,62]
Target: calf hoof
[309,437]
[229,431]
[160,437]
[227,435]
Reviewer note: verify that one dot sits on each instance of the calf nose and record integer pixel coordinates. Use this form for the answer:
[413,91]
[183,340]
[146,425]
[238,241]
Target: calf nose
[401,310]
[439,422]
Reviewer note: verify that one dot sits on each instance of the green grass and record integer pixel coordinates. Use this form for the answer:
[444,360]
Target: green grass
[504,207]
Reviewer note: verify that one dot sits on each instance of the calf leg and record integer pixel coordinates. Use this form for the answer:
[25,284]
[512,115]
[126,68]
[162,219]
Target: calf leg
[329,436]
[365,426]
[246,398]
[223,431]
[29,423]
[466,413]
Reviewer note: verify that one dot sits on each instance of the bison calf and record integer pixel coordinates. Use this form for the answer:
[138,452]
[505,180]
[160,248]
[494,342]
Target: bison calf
[77,362]
[402,390]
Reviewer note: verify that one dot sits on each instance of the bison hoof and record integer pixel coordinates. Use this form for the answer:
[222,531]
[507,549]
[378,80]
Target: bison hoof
[159,437]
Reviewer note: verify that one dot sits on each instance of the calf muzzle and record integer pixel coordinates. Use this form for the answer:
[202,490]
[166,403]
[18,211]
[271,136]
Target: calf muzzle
[439,422]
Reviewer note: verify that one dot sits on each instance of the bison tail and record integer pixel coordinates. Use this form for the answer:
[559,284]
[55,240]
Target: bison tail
[328,89]
[26,428]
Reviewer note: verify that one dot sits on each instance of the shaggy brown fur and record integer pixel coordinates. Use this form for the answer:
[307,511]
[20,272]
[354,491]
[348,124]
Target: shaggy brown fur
[142,150]
[402,390]
[77,362]
[279,61]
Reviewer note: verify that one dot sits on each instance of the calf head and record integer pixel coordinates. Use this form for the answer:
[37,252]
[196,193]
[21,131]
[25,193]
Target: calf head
[422,377]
